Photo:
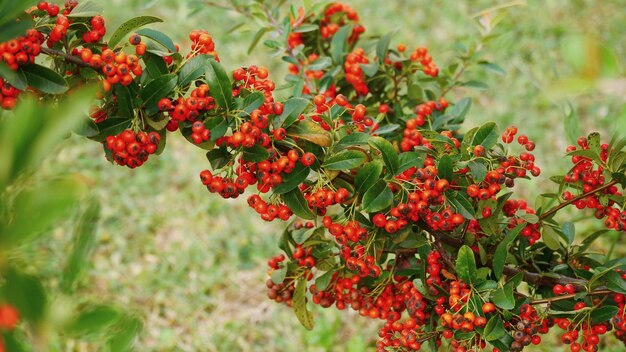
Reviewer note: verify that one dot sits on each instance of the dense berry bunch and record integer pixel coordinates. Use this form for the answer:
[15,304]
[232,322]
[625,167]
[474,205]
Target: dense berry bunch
[132,149]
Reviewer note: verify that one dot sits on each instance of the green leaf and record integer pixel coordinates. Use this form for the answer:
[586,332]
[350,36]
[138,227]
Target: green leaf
[16,78]
[111,127]
[388,153]
[593,140]
[478,169]
[377,198]
[292,180]
[257,37]
[311,132]
[86,9]
[368,175]
[444,167]
[493,68]
[218,158]
[494,329]
[345,160]
[94,319]
[603,314]
[219,84]
[124,102]
[126,331]
[44,79]
[299,305]
[383,46]
[461,203]
[551,238]
[83,244]
[614,282]
[129,26]
[192,70]
[26,294]
[155,65]
[158,37]
[486,135]
[354,138]
[255,154]
[408,160]
[322,282]
[252,102]
[466,265]
[156,90]
[502,250]
[571,124]
[278,275]
[320,63]
[475,84]
[569,231]
[303,28]
[338,43]
[292,109]
[298,205]
[503,297]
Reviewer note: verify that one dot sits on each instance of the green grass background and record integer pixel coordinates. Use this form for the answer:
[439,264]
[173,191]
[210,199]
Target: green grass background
[194,266]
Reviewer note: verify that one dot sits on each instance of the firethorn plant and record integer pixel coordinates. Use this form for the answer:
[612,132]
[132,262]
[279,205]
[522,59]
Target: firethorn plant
[391,210]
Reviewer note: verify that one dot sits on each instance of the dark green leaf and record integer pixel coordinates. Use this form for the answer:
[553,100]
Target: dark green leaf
[354,138]
[111,127]
[345,160]
[388,153]
[298,205]
[569,231]
[219,84]
[614,282]
[368,175]
[292,109]
[252,102]
[408,160]
[461,204]
[322,282]
[156,90]
[444,168]
[158,37]
[255,154]
[603,314]
[126,331]
[129,26]
[466,265]
[44,79]
[192,70]
[26,294]
[377,198]
[293,179]
[94,319]
[503,297]
[478,169]
[218,158]
[486,135]
[16,78]
[499,258]
[338,43]
[494,329]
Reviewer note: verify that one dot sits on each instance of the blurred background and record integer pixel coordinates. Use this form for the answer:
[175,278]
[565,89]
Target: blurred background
[194,266]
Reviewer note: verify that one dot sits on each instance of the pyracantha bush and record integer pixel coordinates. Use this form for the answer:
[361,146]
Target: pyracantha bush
[394,210]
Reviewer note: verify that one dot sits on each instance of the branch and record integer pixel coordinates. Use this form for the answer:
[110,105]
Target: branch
[566,297]
[575,199]
[67,57]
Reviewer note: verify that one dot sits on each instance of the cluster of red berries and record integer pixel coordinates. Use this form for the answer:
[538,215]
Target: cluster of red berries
[619,320]
[132,149]
[140,47]
[421,55]
[321,198]
[412,136]
[590,332]
[282,292]
[187,109]
[225,187]
[567,289]
[256,78]
[97,32]
[303,256]
[354,72]
[310,74]
[528,328]
[8,95]
[511,208]
[199,132]
[202,43]
[588,176]
[117,68]
[53,9]
[465,322]
[271,211]
[330,24]
[21,50]
[350,231]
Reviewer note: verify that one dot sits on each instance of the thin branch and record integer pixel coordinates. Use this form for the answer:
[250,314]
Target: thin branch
[575,199]
[566,297]
[67,57]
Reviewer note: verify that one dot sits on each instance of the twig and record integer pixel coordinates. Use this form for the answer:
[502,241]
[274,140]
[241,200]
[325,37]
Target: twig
[67,57]
[566,297]
[575,199]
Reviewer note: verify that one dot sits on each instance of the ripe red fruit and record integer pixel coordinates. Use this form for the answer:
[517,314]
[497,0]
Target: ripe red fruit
[9,317]
[279,134]
[307,159]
